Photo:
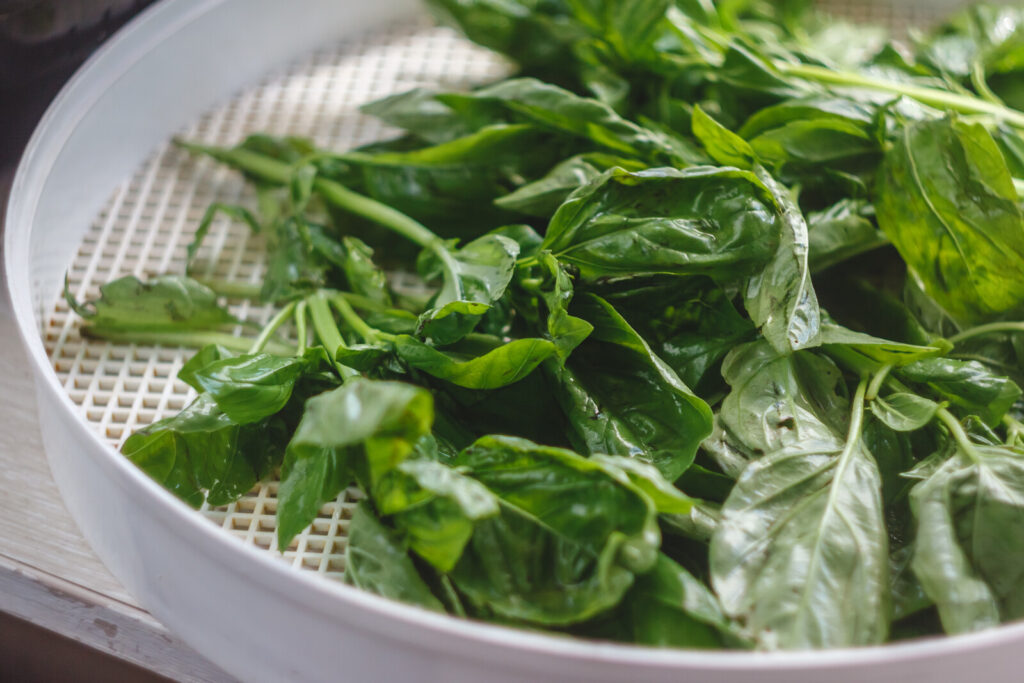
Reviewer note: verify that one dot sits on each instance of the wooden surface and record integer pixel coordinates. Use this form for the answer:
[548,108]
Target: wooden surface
[48,574]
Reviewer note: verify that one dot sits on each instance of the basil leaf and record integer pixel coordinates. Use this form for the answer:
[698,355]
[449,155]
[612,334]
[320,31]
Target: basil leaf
[473,278]
[435,506]
[622,399]
[904,412]
[200,454]
[967,384]
[162,304]
[948,203]
[669,607]
[363,426]
[968,554]
[781,299]
[801,534]
[497,367]
[377,561]
[251,387]
[569,540]
[558,109]
[699,221]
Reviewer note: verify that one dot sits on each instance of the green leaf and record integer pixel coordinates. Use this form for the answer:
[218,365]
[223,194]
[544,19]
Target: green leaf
[569,539]
[810,108]
[622,399]
[691,325]
[667,498]
[970,522]
[298,259]
[700,524]
[364,277]
[629,26]
[904,412]
[535,33]
[948,203]
[801,553]
[451,187]
[566,331]
[778,401]
[473,278]
[497,367]
[162,304]
[966,384]
[841,232]
[237,213]
[419,112]
[362,357]
[755,76]
[781,299]
[377,561]
[908,596]
[542,197]
[251,387]
[364,426]
[699,221]
[724,146]
[451,322]
[555,108]
[201,454]
[881,351]
[815,132]
[436,507]
[202,358]
[669,607]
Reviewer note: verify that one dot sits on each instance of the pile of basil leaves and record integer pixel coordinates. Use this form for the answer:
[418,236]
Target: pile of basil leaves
[718,347]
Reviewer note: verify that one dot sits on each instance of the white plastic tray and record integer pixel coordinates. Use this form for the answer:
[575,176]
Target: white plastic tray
[187,67]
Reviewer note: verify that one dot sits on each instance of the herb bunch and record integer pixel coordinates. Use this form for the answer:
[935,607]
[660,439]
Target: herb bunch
[721,347]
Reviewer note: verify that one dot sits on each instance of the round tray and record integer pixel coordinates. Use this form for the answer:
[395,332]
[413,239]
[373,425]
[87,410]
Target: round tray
[101,194]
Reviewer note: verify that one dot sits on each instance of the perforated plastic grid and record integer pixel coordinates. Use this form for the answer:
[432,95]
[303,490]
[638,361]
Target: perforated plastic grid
[893,14]
[150,219]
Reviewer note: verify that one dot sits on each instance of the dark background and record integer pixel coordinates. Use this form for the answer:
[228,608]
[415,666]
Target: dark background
[41,45]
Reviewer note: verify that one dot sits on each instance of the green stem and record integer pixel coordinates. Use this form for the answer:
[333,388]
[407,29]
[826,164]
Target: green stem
[279,172]
[367,304]
[855,362]
[934,97]
[382,214]
[1013,424]
[532,284]
[272,327]
[877,381]
[1018,184]
[957,431]
[300,326]
[195,340]
[991,328]
[336,194]
[232,290]
[352,319]
[327,331]
[856,421]
[1014,431]
[980,84]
